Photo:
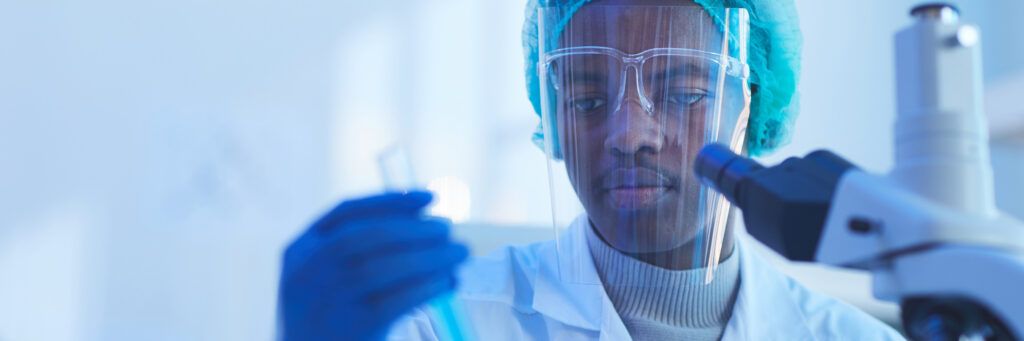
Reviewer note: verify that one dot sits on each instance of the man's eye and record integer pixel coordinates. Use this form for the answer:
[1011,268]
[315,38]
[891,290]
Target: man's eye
[587,104]
[687,98]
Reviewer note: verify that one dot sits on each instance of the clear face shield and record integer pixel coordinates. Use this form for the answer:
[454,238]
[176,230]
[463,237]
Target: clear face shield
[629,96]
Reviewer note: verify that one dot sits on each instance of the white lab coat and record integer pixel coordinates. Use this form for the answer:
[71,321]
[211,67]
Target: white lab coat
[515,294]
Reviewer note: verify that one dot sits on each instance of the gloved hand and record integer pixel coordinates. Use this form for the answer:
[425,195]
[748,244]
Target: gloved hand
[364,264]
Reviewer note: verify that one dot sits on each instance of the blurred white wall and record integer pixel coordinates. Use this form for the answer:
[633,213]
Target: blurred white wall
[156,157]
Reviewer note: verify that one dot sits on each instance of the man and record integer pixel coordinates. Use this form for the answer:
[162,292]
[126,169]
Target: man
[628,92]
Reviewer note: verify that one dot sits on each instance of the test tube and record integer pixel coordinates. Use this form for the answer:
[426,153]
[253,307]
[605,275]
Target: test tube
[397,173]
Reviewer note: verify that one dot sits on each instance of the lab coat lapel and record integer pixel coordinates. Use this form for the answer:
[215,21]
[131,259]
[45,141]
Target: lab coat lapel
[586,304]
[764,308]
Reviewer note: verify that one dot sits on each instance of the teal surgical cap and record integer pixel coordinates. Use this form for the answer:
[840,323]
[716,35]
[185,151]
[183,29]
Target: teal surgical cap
[773,57]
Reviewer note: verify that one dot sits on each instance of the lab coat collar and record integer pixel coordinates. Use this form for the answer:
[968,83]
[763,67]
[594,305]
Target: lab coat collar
[764,305]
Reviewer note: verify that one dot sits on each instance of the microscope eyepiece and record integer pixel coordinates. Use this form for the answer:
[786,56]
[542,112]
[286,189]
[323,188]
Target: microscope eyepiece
[722,169]
[940,11]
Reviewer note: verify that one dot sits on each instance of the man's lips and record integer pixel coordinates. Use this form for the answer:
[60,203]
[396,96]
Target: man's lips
[632,178]
[635,187]
[636,197]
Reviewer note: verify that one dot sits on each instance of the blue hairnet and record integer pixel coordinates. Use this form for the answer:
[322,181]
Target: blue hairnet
[773,56]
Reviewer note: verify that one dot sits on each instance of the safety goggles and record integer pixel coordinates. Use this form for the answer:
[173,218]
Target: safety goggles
[667,80]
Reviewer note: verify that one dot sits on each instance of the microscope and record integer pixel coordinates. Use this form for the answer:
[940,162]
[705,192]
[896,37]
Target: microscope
[928,232]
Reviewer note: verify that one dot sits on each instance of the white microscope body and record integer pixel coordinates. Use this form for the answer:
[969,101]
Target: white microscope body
[929,231]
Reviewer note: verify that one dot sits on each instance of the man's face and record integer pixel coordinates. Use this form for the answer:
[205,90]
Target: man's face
[629,156]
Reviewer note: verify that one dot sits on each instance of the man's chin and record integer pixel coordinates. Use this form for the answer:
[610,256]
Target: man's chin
[652,242]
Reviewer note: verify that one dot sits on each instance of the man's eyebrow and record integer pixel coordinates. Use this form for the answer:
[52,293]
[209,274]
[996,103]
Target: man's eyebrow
[585,76]
[688,69]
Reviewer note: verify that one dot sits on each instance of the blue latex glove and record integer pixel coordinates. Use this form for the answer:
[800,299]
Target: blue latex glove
[363,265]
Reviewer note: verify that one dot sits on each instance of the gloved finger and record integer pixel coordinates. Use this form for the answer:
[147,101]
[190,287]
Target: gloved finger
[361,231]
[411,203]
[330,259]
[378,275]
[413,293]
[372,238]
